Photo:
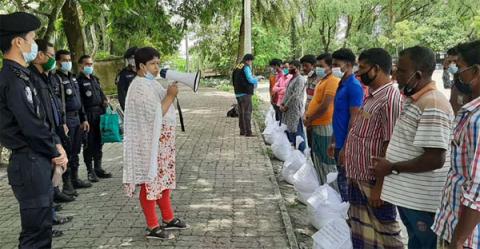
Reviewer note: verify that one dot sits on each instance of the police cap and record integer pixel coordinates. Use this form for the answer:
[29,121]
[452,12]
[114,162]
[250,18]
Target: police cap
[18,23]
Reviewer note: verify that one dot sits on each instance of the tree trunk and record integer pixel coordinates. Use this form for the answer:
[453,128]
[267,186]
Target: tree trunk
[74,32]
[93,34]
[293,38]
[347,31]
[57,5]
[241,38]
[105,39]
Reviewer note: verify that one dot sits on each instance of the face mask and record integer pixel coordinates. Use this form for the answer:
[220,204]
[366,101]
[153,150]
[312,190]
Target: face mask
[66,66]
[337,72]
[50,65]
[453,69]
[320,71]
[30,56]
[149,76]
[87,70]
[365,79]
[131,62]
[285,71]
[406,89]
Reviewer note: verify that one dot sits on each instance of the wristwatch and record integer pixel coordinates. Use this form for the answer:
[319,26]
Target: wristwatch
[394,170]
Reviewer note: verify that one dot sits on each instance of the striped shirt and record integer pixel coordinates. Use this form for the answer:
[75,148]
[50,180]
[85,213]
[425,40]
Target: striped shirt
[372,127]
[462,188]
[425,122]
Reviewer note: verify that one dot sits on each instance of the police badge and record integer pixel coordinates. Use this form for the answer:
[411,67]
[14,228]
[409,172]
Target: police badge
[28,94]
[88,93]
[69,91]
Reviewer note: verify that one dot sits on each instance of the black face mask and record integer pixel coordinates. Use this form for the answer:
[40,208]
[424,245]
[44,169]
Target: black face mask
[462,86]
[406,89]
[365,79]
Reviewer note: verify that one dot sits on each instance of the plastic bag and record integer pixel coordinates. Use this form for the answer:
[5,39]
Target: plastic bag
[270,116]
[292,165]
[325,204]
[305,181]
[335,235]
[110,127]
[270,131]
[281,147]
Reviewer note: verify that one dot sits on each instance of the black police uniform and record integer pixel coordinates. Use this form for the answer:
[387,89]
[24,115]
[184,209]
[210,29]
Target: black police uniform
[75,115]
[123,80]
[24,130]
[94,101]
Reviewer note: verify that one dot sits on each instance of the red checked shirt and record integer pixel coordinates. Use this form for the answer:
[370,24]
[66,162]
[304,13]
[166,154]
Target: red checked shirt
[372,127]
[462,188]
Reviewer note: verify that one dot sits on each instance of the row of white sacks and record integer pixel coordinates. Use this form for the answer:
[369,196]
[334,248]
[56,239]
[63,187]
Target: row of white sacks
[326,211]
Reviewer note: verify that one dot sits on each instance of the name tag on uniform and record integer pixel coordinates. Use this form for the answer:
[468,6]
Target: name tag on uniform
[87,84]
[65,82]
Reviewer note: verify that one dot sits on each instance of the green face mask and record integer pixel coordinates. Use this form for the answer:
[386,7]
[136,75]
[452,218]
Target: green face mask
[50,65]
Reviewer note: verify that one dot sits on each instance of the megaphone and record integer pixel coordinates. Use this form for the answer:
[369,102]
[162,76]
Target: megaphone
[191,80]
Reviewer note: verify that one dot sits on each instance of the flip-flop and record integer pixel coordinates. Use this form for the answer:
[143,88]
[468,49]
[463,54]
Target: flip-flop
[62,220]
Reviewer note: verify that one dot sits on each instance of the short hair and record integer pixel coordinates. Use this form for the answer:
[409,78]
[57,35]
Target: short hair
[61,52]
[327,57]
[6,41]
[275,62]
[377,56]
[470,52]
[309,58]
[344,54]
[83,57]
[143,55]
[422,57]
[453,51]
[130,52]
[248,57]
[43,45]
[296,63]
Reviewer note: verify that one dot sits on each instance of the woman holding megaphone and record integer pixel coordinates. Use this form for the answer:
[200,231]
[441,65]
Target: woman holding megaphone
[149,144]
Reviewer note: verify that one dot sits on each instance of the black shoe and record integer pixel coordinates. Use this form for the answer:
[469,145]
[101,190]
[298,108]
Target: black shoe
[68,188]
[77,183]
[57,207]
[159,233]
[92,177]
[62,197]
[250,135]
[175,224]
[56,233]
[102,173]
[59,220]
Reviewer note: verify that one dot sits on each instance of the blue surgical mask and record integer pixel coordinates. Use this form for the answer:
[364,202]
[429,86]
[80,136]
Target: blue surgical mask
[285,71]
[30,56]
[453,69]
[66,66]
[149,76]
[87,70]
[320,72]
[337,71]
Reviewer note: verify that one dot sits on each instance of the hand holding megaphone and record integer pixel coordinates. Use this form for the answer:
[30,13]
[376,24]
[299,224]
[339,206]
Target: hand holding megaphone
[172,89]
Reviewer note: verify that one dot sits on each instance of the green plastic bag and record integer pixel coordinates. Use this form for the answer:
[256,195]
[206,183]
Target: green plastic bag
[110,127]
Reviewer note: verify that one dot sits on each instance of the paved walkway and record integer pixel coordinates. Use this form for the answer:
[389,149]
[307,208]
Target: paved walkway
[224,191]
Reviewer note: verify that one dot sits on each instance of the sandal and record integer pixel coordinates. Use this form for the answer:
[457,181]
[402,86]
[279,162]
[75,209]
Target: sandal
[58,220]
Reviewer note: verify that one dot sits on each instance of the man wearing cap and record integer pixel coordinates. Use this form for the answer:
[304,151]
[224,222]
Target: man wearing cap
[24,130]
[125,77]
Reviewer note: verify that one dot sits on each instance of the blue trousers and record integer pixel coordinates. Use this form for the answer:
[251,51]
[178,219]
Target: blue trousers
[342,178]
[292,136]
[418,225]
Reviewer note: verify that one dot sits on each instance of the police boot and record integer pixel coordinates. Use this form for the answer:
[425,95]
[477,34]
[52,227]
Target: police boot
[92,177]
[67,184]
[99,171]
[76,182]
[59,196]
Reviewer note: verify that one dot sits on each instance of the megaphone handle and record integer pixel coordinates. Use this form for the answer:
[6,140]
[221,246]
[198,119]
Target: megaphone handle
[180,115]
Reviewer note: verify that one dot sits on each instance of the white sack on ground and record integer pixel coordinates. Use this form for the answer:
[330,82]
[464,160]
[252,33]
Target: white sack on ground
[335,235]
[281,147]
[305,181]
[292,165]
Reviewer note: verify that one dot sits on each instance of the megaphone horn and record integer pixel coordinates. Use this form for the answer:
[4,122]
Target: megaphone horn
[191,80]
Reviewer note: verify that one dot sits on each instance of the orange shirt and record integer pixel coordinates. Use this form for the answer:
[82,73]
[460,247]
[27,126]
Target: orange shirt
[326,86]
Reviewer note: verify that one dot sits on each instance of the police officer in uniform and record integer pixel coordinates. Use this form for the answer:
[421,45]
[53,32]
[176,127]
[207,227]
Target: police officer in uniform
[25,131]
[95,102]
[75,118]
[125,77]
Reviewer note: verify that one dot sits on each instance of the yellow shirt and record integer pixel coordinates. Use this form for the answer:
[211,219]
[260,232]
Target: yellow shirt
[327,86]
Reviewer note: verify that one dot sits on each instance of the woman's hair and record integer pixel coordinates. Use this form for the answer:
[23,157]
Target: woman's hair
[143,55]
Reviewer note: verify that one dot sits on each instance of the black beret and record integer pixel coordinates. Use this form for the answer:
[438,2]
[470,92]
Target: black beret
[130,52]
[18,23]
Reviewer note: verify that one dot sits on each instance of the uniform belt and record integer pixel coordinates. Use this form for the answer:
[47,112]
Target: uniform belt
[22,150]
[72,114]
[95,109]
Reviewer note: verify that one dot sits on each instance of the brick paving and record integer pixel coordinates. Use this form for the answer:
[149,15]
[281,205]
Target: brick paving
[226,191]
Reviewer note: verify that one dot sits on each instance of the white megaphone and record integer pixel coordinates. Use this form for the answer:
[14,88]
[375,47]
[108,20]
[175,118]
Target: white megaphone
[191,80]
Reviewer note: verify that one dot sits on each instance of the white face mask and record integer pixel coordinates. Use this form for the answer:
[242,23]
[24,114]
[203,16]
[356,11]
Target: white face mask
[30,56]
[337,71]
